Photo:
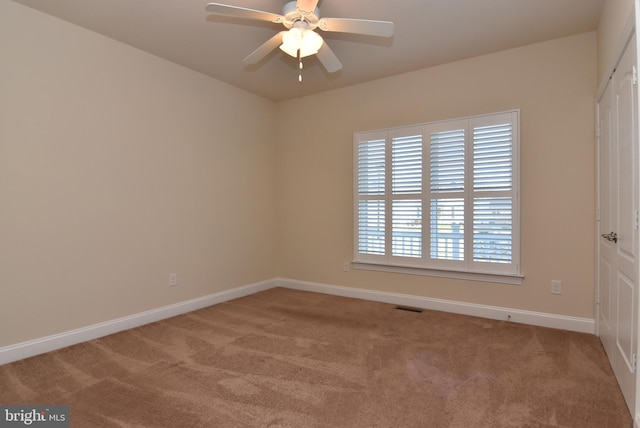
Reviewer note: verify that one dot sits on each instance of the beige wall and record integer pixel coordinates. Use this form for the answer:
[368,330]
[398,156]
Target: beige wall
[553,83]
[611,33]
[117,168]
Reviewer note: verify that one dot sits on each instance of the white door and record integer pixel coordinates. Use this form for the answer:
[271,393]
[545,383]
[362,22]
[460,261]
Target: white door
[618,225]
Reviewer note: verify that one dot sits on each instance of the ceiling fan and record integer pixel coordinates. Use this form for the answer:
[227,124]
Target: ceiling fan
[301,18]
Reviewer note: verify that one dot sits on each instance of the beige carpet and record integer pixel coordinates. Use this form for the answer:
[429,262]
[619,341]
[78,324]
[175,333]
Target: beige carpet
[286,358]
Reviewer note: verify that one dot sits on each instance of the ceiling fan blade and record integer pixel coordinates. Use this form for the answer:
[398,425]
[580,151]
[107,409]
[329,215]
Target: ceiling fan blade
[357,26]
[307,5]
[264,50]
[328,59]
[242,12]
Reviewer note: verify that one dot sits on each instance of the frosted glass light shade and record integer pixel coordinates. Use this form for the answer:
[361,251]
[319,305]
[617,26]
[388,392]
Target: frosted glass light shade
[311,43]
[291,42]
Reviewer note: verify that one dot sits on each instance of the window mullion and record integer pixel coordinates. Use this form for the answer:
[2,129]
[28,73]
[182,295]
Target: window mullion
[426,198]
[388,199]
[468,197]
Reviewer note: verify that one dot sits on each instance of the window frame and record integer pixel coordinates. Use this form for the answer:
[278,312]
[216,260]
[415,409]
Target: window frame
[427,265]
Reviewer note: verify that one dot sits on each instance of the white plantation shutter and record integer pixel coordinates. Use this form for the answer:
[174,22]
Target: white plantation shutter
[406,193]
[371,190]
[494,193]
[441,195]
[447,143]
[492,172]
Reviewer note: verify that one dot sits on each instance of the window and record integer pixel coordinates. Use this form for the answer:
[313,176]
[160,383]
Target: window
[440,196]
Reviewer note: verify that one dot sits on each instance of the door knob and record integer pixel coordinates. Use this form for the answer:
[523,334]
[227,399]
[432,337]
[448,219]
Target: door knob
[613,237]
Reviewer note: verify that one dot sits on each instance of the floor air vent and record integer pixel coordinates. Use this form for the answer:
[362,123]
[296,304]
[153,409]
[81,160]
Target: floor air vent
[408,309]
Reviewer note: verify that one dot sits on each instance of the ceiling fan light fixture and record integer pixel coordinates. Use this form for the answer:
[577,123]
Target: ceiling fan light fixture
[306,41]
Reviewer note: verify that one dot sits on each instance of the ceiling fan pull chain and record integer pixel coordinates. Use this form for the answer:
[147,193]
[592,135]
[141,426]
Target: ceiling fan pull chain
[299,67]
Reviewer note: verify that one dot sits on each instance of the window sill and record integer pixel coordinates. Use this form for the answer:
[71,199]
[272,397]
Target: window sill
[470,276]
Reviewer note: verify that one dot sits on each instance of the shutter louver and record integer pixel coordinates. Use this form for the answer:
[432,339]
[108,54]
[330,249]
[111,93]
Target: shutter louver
[406,164]
[371,167]
[447,161]
[493,157]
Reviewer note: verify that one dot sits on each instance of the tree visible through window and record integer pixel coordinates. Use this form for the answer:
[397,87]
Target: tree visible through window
[440,195]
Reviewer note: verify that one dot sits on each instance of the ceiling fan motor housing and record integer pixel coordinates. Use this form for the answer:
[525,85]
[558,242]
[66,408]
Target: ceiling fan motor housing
[292,15]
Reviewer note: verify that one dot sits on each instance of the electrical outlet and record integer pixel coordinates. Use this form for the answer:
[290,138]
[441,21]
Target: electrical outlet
[346,266]
[556,286]
[173,279]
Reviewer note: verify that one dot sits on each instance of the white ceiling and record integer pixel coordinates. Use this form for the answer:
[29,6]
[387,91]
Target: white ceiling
[427,33]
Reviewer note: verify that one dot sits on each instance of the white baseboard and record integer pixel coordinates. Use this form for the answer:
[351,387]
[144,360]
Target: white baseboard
[39,346]
[582,325]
